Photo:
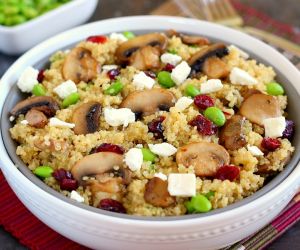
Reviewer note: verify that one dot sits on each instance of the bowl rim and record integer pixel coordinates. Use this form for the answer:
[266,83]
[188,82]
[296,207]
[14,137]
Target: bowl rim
[172,20]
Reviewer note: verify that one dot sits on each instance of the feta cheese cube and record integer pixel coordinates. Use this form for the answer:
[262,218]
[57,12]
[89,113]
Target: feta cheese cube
[182,185]
[163,149]
[106,68]
[65,89]
[76,196]
[142,81]
[210,86]
[161,176]
[28,79]
[274,127]
[255,151]
[117,117]
[55,122]
[180,72]
[118,36]
[134,159]
[242,53]
[241,77]
[183,102]
[24,122]
[170,58]
[12,118]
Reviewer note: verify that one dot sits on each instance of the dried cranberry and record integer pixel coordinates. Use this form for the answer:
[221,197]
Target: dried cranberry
[150,74]
[68,184]
[41,75]
[204,126]
[60,174]
[271,144]
[203,101]
[113,73]
[97,39]
[107,147]
[228,172]
[169,67]
[155,127]
[289,129]
[112,206]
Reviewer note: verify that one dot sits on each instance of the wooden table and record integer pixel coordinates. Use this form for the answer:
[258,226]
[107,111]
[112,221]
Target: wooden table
[287,11]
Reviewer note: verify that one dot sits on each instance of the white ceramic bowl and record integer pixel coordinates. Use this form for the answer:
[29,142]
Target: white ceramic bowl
[100,229]
[17,39]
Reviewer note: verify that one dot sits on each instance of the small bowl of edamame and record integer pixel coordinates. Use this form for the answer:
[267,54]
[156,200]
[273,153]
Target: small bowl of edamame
[25,23]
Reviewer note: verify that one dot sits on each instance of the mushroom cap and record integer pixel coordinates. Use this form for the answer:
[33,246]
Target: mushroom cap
[149,101]
[258,107]
[215,68]
[80,65]
[126,49]
[86,118]
[36,118]
[45,104]
[96,164]
[206,157]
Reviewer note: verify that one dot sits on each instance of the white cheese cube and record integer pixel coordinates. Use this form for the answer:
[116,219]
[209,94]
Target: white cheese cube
[134,159]
[180,72]
[170,58]
[117,117]
[163,149]
[65,89]
[242,53]
[118,36]
[183,102]
[241,77]
[106,68]
[210,86]
[28,79]
[255,151]
[24,122]
[12,118]
[142,81]
[76,196]
[182,185]
[274,127]
[54,122]
[161,176]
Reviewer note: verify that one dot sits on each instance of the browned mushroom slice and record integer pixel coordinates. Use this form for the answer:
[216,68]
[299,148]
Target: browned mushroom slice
[86,118]
[79,65]
[197,60]
[215,68]
[126,49]
[45,104]
[36,118]
[111,185]
[157,194]
[191,40]
[246,92]
[148,102]
[206,157]
[145,58]
[231,135]
[96,164]
[258,107]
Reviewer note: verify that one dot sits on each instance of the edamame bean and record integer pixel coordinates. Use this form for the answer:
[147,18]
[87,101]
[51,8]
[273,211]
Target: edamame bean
[128,34]
[43,171]
[114,89]
[70,100]
[165,80]
[189,207]
[148,155]
[172,51]
[200,203]
[209,194]
[215,115]
[274,88]
[191,90]
[39,90]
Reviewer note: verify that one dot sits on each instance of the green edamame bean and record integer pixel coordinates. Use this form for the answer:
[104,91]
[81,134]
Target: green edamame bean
[70,100]
[274,88]
[189,207]
[209,194]
[43,171]
[200,203]
[172,51]
[215,115]
[148,155]
[2,18]
[39,90]
[191,90]
[30,12]
[165,80]
[128,34]
[11,10]
[114,89]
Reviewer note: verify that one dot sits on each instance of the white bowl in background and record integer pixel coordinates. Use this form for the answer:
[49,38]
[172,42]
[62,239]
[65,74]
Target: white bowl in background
[100,229]
[17,39]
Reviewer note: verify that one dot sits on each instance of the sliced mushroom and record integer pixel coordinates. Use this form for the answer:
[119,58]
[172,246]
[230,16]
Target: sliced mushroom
[157,194]
[148,102]
[145,58]
[191,40]
[231,135]
[258,107]
[96,164]
[206,157]
[45,104]
[86,118]
[215,50]
[215,68]
[246,92]
[111,185]
[36,118]
[79,65]
[126,49]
